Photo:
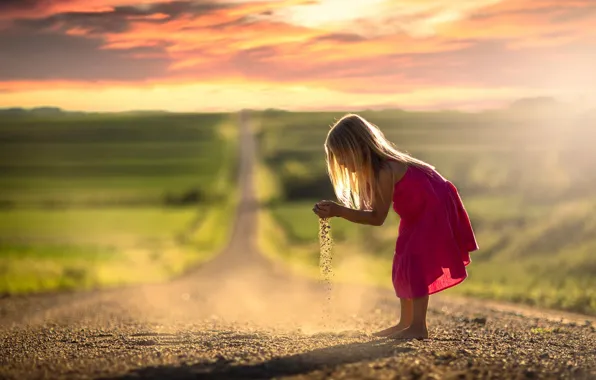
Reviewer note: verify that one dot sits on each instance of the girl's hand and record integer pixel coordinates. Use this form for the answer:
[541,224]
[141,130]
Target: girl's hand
[326,209]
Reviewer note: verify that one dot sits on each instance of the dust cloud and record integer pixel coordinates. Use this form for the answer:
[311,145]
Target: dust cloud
[248,289]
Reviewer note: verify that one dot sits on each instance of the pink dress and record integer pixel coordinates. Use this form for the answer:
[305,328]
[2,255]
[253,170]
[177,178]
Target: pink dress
[435,235]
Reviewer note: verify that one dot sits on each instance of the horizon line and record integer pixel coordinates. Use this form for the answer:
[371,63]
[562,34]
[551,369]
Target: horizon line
[539,100]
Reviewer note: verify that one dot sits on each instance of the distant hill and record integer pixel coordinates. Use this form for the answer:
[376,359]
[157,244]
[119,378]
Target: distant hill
[550,105]
[13,111]
[54,111]
[46,110]
[31,111]
[540,102]
[143,112]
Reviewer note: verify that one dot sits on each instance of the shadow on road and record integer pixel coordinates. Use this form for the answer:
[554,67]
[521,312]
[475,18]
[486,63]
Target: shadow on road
[319,359]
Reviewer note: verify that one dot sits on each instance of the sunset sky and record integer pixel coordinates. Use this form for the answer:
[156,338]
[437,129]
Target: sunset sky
[111,55]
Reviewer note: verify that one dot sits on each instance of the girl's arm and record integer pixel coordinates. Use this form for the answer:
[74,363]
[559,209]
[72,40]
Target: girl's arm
[383,198]
[374,217]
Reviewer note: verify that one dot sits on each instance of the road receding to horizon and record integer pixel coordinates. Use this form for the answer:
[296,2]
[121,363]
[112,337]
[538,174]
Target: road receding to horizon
[241,316]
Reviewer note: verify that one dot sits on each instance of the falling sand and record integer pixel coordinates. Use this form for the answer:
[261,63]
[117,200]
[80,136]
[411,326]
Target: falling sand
[325,256]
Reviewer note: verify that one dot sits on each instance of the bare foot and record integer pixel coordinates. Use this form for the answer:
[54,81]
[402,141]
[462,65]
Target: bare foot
[391,330]
[412,332]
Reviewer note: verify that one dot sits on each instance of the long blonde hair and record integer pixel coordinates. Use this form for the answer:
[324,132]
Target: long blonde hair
[355,151]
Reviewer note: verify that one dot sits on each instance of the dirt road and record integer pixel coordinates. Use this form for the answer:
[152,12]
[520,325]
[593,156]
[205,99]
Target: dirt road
[242,317]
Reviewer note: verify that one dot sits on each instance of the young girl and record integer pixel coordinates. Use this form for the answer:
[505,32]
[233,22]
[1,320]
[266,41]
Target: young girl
[435,235]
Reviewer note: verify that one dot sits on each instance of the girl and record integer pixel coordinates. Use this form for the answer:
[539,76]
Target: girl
[435,235]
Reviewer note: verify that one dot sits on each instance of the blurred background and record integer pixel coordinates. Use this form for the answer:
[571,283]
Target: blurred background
[119,134]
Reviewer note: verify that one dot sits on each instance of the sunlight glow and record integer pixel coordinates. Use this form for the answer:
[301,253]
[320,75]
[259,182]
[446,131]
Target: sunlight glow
[417,18]
[328,13]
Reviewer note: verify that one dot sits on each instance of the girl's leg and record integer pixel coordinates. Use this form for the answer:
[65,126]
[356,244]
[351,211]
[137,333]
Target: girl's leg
[405,318]
[417,329]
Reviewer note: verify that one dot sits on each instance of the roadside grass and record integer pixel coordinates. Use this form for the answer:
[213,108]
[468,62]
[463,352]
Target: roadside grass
[106,200]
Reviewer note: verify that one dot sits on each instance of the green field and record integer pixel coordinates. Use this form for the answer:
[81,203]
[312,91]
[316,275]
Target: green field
[526,177]
[91,200]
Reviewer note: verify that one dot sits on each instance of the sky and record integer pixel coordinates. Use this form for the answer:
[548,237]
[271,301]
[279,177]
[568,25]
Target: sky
[204,55]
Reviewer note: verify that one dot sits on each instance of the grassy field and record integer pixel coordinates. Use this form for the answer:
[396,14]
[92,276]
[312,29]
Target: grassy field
[91,200]
[526,177]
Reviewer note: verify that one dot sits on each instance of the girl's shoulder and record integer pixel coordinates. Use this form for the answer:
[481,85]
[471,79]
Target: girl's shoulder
[396,169]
